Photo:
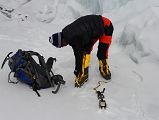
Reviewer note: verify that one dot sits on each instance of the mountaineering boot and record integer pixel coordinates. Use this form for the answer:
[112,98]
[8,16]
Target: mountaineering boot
[82,77]
[104,69]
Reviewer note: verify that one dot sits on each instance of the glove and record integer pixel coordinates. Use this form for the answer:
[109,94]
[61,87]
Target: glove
[51,40]
[76,72]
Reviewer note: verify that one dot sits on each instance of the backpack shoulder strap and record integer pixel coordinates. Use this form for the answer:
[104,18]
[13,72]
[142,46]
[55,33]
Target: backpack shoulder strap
[43,64]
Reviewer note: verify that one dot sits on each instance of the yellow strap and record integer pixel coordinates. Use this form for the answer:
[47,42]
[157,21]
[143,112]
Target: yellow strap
[107,68]
[85,62]
[101,65]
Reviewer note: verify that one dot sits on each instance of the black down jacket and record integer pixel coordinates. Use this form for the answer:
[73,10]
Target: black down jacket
[84,30]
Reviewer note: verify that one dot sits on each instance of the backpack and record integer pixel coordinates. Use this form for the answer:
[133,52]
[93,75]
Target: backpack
[28,71]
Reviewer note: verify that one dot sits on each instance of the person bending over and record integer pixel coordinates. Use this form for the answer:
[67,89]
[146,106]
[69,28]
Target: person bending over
[81,35]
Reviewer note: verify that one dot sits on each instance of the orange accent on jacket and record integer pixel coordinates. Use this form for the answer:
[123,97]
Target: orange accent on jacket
[106,39]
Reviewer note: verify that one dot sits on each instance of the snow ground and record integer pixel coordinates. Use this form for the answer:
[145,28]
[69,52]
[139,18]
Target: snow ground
[134,60]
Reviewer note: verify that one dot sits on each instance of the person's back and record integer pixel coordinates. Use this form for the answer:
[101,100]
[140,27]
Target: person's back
[85,28]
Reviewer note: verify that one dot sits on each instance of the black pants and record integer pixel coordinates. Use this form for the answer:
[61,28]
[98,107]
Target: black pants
[79,50]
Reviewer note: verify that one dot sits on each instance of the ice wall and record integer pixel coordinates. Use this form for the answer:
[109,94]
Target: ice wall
[79,8]
[109,5]
[73,9]
[48,10]
[15,4]
[139,36]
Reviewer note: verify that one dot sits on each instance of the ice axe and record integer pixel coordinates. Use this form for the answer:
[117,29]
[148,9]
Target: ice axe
[7,58]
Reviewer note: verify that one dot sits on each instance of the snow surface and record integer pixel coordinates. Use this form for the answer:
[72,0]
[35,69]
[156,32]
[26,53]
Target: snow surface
[133,59]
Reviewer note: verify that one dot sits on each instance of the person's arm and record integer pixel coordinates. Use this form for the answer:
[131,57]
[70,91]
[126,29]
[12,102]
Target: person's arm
[78,58]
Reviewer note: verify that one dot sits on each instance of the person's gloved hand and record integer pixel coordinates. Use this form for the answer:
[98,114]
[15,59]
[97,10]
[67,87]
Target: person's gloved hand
[51,40]
[76,72]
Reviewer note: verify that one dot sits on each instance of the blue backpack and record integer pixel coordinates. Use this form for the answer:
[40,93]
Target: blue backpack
[27,70]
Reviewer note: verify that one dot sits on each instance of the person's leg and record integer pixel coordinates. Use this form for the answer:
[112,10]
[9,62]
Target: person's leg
[82,60]
[82,64]
[102,53]
[105,42]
